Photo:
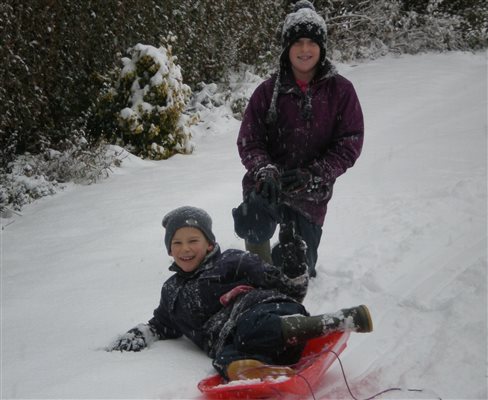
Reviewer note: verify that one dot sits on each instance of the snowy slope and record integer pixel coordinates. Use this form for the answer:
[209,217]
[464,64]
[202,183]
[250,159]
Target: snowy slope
[405,234]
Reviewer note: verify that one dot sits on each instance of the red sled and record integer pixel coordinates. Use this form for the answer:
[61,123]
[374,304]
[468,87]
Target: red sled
[316,359]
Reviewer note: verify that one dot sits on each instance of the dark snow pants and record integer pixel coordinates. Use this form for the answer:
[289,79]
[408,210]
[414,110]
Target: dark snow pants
[308,231]
[258,335]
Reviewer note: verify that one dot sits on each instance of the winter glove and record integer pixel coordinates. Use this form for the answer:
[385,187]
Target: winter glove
[293,251]
[135,339]
[255,219]
[295,180]
[268,183]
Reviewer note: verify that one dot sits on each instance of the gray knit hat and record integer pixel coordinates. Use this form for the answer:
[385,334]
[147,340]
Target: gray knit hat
[187,216]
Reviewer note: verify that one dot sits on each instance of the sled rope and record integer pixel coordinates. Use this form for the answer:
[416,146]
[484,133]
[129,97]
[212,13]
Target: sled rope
[308,384]
[306,361]
[327,350]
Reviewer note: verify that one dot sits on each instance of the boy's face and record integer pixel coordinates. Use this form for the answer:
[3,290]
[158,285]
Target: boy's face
[189,247]
[304,57]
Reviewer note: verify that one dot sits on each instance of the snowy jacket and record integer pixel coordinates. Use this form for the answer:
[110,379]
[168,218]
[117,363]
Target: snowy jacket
[191,305]
[327,140]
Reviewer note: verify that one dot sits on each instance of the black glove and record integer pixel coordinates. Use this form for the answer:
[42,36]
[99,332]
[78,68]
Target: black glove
[295,180]
[268,183]
[135,339]
[293,251]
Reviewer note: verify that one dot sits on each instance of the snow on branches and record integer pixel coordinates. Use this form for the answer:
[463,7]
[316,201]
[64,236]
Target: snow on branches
[146,102]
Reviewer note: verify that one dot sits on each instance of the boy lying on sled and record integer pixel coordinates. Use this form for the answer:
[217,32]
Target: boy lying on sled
[244,313]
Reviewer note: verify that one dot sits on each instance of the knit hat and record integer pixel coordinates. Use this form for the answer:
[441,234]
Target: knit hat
[304,22]
[187,216]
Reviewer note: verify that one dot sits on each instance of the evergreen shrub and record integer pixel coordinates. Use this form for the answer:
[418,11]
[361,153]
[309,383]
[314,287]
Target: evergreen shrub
[142,108]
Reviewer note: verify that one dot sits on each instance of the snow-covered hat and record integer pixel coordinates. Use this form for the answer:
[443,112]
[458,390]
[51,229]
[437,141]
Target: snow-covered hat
[187,216]
[304,22]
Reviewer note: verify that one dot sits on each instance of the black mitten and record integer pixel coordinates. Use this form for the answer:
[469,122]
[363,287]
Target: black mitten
[293,251]
[295,180]
[268,183]
[135,339]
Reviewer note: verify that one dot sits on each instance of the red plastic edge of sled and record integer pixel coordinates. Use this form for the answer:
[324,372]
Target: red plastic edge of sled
[315,361]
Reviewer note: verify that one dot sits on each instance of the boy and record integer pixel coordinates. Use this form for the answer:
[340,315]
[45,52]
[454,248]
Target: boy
[241,311]
[302,129]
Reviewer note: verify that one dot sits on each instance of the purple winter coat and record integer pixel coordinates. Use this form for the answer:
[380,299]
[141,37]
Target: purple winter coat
[327,143]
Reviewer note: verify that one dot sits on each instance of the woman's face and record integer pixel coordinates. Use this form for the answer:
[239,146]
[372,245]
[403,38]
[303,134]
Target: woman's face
[304,56]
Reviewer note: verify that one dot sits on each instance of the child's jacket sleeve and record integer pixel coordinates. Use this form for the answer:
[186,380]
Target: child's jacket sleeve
[162,320]
[347,141]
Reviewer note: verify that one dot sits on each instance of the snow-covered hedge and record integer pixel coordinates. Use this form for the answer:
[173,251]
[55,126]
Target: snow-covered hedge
[57,56]
[143,108]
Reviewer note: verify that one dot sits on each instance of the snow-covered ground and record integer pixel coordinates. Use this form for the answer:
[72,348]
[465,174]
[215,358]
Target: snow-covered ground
[406,234]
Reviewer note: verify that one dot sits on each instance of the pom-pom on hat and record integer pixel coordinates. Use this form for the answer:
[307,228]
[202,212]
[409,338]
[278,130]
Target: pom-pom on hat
[187,216]
[304,22]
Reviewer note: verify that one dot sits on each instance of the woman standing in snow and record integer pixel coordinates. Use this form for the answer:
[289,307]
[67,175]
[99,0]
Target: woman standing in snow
[302,129]
[243,312]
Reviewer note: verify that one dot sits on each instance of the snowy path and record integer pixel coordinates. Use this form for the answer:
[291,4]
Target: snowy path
[406,234]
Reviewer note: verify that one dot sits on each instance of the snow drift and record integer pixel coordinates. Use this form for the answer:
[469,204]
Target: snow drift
[405,234]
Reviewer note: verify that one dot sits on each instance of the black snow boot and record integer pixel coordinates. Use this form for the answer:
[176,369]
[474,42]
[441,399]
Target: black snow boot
[300,328]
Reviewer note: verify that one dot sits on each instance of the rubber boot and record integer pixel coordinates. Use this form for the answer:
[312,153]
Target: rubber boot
[300,328]
[254,369]
[262,249]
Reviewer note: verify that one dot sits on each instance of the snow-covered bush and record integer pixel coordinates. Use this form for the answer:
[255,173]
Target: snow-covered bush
[242,83]
[32,176]
[143,108]
[56,54]
[233,92]
[372,28]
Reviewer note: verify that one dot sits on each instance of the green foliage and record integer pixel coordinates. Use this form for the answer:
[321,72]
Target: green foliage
[142,109]
[57,55]
[216,36]
[53,53]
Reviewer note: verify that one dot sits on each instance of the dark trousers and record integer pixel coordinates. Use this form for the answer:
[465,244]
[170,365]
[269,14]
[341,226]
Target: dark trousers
[308,231]
[258,335]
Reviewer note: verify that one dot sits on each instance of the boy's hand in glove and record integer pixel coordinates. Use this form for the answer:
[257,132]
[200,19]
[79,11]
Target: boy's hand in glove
[295,180]
[268,183]
[135,339]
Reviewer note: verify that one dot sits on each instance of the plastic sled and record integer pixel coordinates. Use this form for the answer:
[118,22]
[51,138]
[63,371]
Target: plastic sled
[314,363]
